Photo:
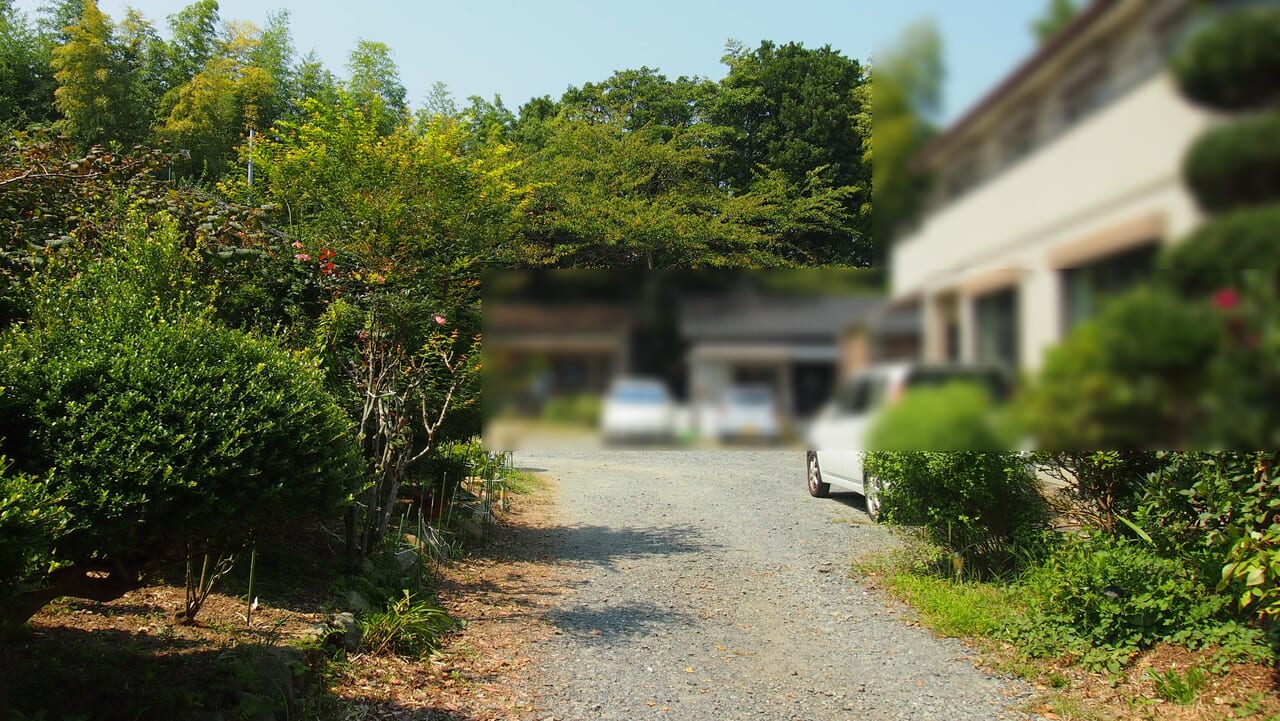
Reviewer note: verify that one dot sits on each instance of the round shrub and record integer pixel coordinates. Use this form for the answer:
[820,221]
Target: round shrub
[1130,379]
[1236,164]
[954,417]
[1234,63]
[1213,256]
[179,437]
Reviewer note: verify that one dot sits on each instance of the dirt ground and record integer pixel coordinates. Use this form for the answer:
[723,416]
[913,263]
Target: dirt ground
[82,655]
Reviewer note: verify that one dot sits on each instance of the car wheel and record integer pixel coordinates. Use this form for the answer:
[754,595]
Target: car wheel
[871,494]
[817,488]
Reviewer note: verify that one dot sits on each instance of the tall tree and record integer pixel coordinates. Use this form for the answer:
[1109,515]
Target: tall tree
[213,112]
[375,84]
[793,109]
[906,102]
[1056,16]
[194,39]
[26,78]
[94,84]
[638,99]
[608,197]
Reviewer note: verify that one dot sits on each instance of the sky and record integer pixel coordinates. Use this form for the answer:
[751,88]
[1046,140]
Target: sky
[520,50]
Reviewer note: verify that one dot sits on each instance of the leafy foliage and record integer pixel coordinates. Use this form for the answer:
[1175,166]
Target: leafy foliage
[1214,255]
[982,509]
[162,431]
[1130,379]
[954,417]
[31,519]
[1234,62]
[1105,598]
[1236,164]
[1099,487]
[408,627]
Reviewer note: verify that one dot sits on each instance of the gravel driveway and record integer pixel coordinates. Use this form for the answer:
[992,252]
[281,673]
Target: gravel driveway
[714,588]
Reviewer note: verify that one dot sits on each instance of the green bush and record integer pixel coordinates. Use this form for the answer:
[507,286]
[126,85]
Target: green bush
[581,409]
[31,519]
[163,432]
[1098,487]
[1130,379]
[1234,63]
[1106,598]
[1213,256]
[954,417]
[1236,164]
[984,509]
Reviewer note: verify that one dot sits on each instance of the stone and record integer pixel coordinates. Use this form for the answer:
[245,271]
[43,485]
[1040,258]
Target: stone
[346,624]
[357,602]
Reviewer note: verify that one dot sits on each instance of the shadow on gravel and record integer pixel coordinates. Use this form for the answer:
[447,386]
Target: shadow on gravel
[852,500]
[608,624]
[605,545]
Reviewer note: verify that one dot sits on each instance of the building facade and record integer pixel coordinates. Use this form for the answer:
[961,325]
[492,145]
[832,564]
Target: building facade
[1054,191]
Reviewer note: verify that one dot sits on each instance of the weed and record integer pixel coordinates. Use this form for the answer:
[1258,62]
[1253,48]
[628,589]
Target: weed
[1179,688]
[408,627]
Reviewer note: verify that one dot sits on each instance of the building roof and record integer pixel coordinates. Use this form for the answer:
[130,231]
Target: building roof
[511,319]
[1085,19]
[756,317]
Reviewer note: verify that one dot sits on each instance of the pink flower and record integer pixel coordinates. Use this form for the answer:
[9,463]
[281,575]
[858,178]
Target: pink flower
[440,320]
[297,244]
[1226,299]
[302,256]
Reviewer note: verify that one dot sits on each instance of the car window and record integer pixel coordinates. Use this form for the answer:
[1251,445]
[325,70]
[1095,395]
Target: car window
[751,397]
[639,394]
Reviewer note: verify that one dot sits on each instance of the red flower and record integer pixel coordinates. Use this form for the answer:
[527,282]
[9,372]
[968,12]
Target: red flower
[1226,299]
[440,320]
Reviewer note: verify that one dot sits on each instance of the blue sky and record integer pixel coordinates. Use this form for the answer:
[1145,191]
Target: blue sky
[521,50]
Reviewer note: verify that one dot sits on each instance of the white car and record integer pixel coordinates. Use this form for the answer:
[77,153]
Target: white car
[749,412]
[838,434]
[638,410]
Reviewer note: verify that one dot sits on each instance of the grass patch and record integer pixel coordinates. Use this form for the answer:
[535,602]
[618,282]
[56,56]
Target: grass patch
[963,609]
[521,482]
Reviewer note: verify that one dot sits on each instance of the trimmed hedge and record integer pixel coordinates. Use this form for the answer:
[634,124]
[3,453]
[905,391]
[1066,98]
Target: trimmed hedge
[1236,164]
[1212,256]
[1234,63]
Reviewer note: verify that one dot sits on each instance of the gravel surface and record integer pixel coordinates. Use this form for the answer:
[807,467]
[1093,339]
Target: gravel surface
[714,587]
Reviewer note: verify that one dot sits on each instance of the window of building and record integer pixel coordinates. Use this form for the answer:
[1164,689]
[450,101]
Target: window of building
[1087,287]
[1085,90]
[996,327]
[1019,136]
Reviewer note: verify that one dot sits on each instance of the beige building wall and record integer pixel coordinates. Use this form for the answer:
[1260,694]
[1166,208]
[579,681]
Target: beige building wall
[1102,185]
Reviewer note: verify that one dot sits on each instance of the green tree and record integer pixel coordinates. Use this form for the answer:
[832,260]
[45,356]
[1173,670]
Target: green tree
[795,110]
[193,33]
[906,97]
[213,112]
[94,84]
[1056,16]
[609,197]
[374,84]
[26,78]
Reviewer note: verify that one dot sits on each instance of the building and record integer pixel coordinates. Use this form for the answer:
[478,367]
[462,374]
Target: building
[1055,190]
[791,344]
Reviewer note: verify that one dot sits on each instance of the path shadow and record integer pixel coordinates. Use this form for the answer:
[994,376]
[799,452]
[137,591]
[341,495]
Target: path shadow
[608,624]
[850,499]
